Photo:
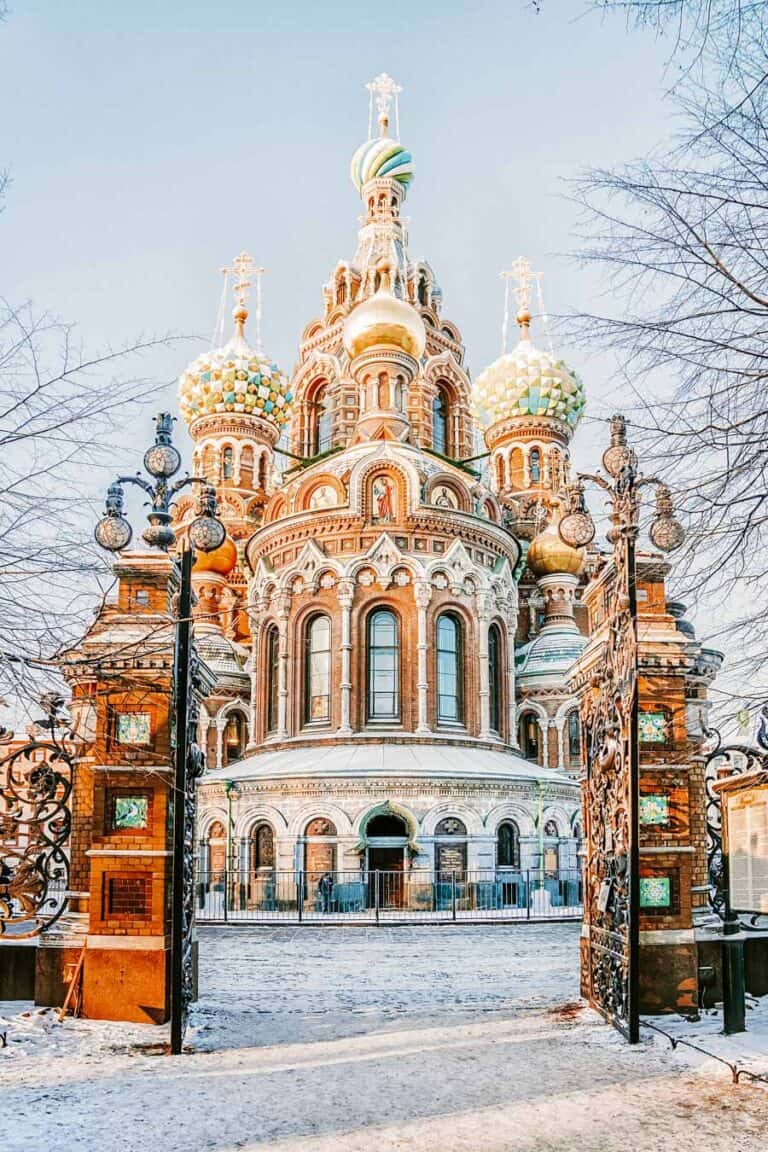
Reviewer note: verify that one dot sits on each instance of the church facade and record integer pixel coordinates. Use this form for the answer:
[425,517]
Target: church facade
[392,619]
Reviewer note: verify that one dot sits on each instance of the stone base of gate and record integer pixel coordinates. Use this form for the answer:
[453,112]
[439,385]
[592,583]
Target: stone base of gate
[127,979]
[17,971]
[50,985]
[669,973]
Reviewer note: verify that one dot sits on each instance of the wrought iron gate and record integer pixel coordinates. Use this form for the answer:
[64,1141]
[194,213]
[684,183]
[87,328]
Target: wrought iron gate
[35,825]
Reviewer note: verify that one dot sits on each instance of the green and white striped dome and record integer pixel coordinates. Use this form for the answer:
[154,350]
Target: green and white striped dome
[381,157]
[527,382]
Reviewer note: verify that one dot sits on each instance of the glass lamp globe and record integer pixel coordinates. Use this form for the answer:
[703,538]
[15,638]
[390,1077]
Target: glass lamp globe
[162,460]
[206,533]
[577,529]
[113,533]
[667,533]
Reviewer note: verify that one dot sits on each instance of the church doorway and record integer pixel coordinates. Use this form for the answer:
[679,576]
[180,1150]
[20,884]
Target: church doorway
[386,853]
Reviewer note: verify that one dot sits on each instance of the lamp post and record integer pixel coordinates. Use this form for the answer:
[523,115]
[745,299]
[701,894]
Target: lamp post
[609,714]
[206,533]
[232,791]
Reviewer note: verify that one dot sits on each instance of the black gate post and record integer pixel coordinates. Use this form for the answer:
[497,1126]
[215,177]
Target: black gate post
[181,706]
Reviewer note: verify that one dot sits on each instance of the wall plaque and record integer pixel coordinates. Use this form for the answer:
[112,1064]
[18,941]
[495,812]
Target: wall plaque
[746,818]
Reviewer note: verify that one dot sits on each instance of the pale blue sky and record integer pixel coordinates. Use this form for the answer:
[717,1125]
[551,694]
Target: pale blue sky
[149,143]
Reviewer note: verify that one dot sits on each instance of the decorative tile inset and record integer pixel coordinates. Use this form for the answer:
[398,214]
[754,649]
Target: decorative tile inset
[130,812]
[652,727]
[654,809]
[655,892]
[133,728]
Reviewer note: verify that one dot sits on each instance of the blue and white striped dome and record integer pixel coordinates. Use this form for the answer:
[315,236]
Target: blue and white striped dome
[381,157]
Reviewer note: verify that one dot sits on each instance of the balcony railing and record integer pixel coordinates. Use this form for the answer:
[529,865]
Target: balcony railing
[379,897]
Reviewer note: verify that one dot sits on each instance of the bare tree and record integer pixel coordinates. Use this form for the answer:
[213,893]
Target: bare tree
[59,409]
[682,238]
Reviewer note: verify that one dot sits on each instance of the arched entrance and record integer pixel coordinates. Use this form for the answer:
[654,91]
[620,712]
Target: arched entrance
[387,835]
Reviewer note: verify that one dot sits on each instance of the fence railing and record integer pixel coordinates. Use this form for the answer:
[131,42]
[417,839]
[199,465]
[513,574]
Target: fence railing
[380,897]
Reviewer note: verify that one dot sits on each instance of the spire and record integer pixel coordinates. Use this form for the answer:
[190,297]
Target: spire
[522,272]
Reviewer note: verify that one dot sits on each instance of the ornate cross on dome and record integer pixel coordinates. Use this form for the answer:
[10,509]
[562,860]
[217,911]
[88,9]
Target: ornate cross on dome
[522,272]
[384,90]
[244,270]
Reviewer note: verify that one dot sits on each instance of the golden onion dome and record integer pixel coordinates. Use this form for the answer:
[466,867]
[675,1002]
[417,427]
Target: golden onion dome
[384,319]
[222,560]
[548,555]
[528,382]
[235,378]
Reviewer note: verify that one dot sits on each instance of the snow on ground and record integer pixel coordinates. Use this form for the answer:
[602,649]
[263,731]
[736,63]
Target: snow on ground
[421,1038]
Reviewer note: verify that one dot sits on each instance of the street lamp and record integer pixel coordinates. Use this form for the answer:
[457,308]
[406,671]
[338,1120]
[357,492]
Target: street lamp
[609,714]
[206,533]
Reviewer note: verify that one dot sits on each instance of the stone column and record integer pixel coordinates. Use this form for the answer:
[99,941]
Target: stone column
[484,616]
[221,724]
[423,595]
[282,666]
[511,701]
[346,593]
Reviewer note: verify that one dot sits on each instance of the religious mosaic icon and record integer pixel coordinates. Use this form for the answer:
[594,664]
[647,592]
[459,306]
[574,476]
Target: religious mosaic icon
[655,892]
[444,497]
[130,812]
[133,728]
[324,496]
[654,809]
[384,500]
[652,727]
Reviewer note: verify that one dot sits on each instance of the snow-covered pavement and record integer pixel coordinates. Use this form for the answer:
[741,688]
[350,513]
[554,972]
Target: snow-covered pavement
[421,1038]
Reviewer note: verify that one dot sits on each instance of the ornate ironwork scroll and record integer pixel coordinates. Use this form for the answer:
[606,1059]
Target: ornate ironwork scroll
[729,760]
[35,825]
[609,719]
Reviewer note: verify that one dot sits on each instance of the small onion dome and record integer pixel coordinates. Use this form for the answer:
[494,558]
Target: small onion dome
[222,560]
[381,157]
[235,378]
[384,319]
[548,555]
[527,382]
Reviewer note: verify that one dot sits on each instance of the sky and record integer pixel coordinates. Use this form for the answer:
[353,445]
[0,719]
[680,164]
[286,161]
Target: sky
[148,144]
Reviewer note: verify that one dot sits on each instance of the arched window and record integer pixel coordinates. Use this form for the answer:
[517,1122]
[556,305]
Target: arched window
[263,471]
[216,842]
[534,463]
[529,736]
[261,847]
[383,695]
[574,736]
[320,438]
[450,694]
[508,845]
[246,466]
[317,674]
[319,851]
[234,738]
[516,470]
[440,418]
[272,653]
[494,677]
[227,464]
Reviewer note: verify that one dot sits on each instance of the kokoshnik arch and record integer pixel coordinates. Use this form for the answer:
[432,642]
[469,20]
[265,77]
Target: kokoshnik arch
[391,622]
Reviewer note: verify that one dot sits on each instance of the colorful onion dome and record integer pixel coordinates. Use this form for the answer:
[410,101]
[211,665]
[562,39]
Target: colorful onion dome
[222,560]
[548,555]
[528,382]
[235,378]
[381,157]
[383,319]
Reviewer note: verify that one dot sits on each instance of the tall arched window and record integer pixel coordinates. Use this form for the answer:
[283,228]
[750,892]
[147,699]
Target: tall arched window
[508,845]
[317,675]
[494,677]
[263,470]
[440,418]
[272,653]
[534,463]
[246,466]
[451,847]
[261,848]
[450,695]
[529,736]
[227,464]
[234,738]
[320,437]
[383,694]
[574,736]
[516,468]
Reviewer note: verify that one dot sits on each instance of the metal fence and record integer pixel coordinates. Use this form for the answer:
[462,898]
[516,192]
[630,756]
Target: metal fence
[385,897]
